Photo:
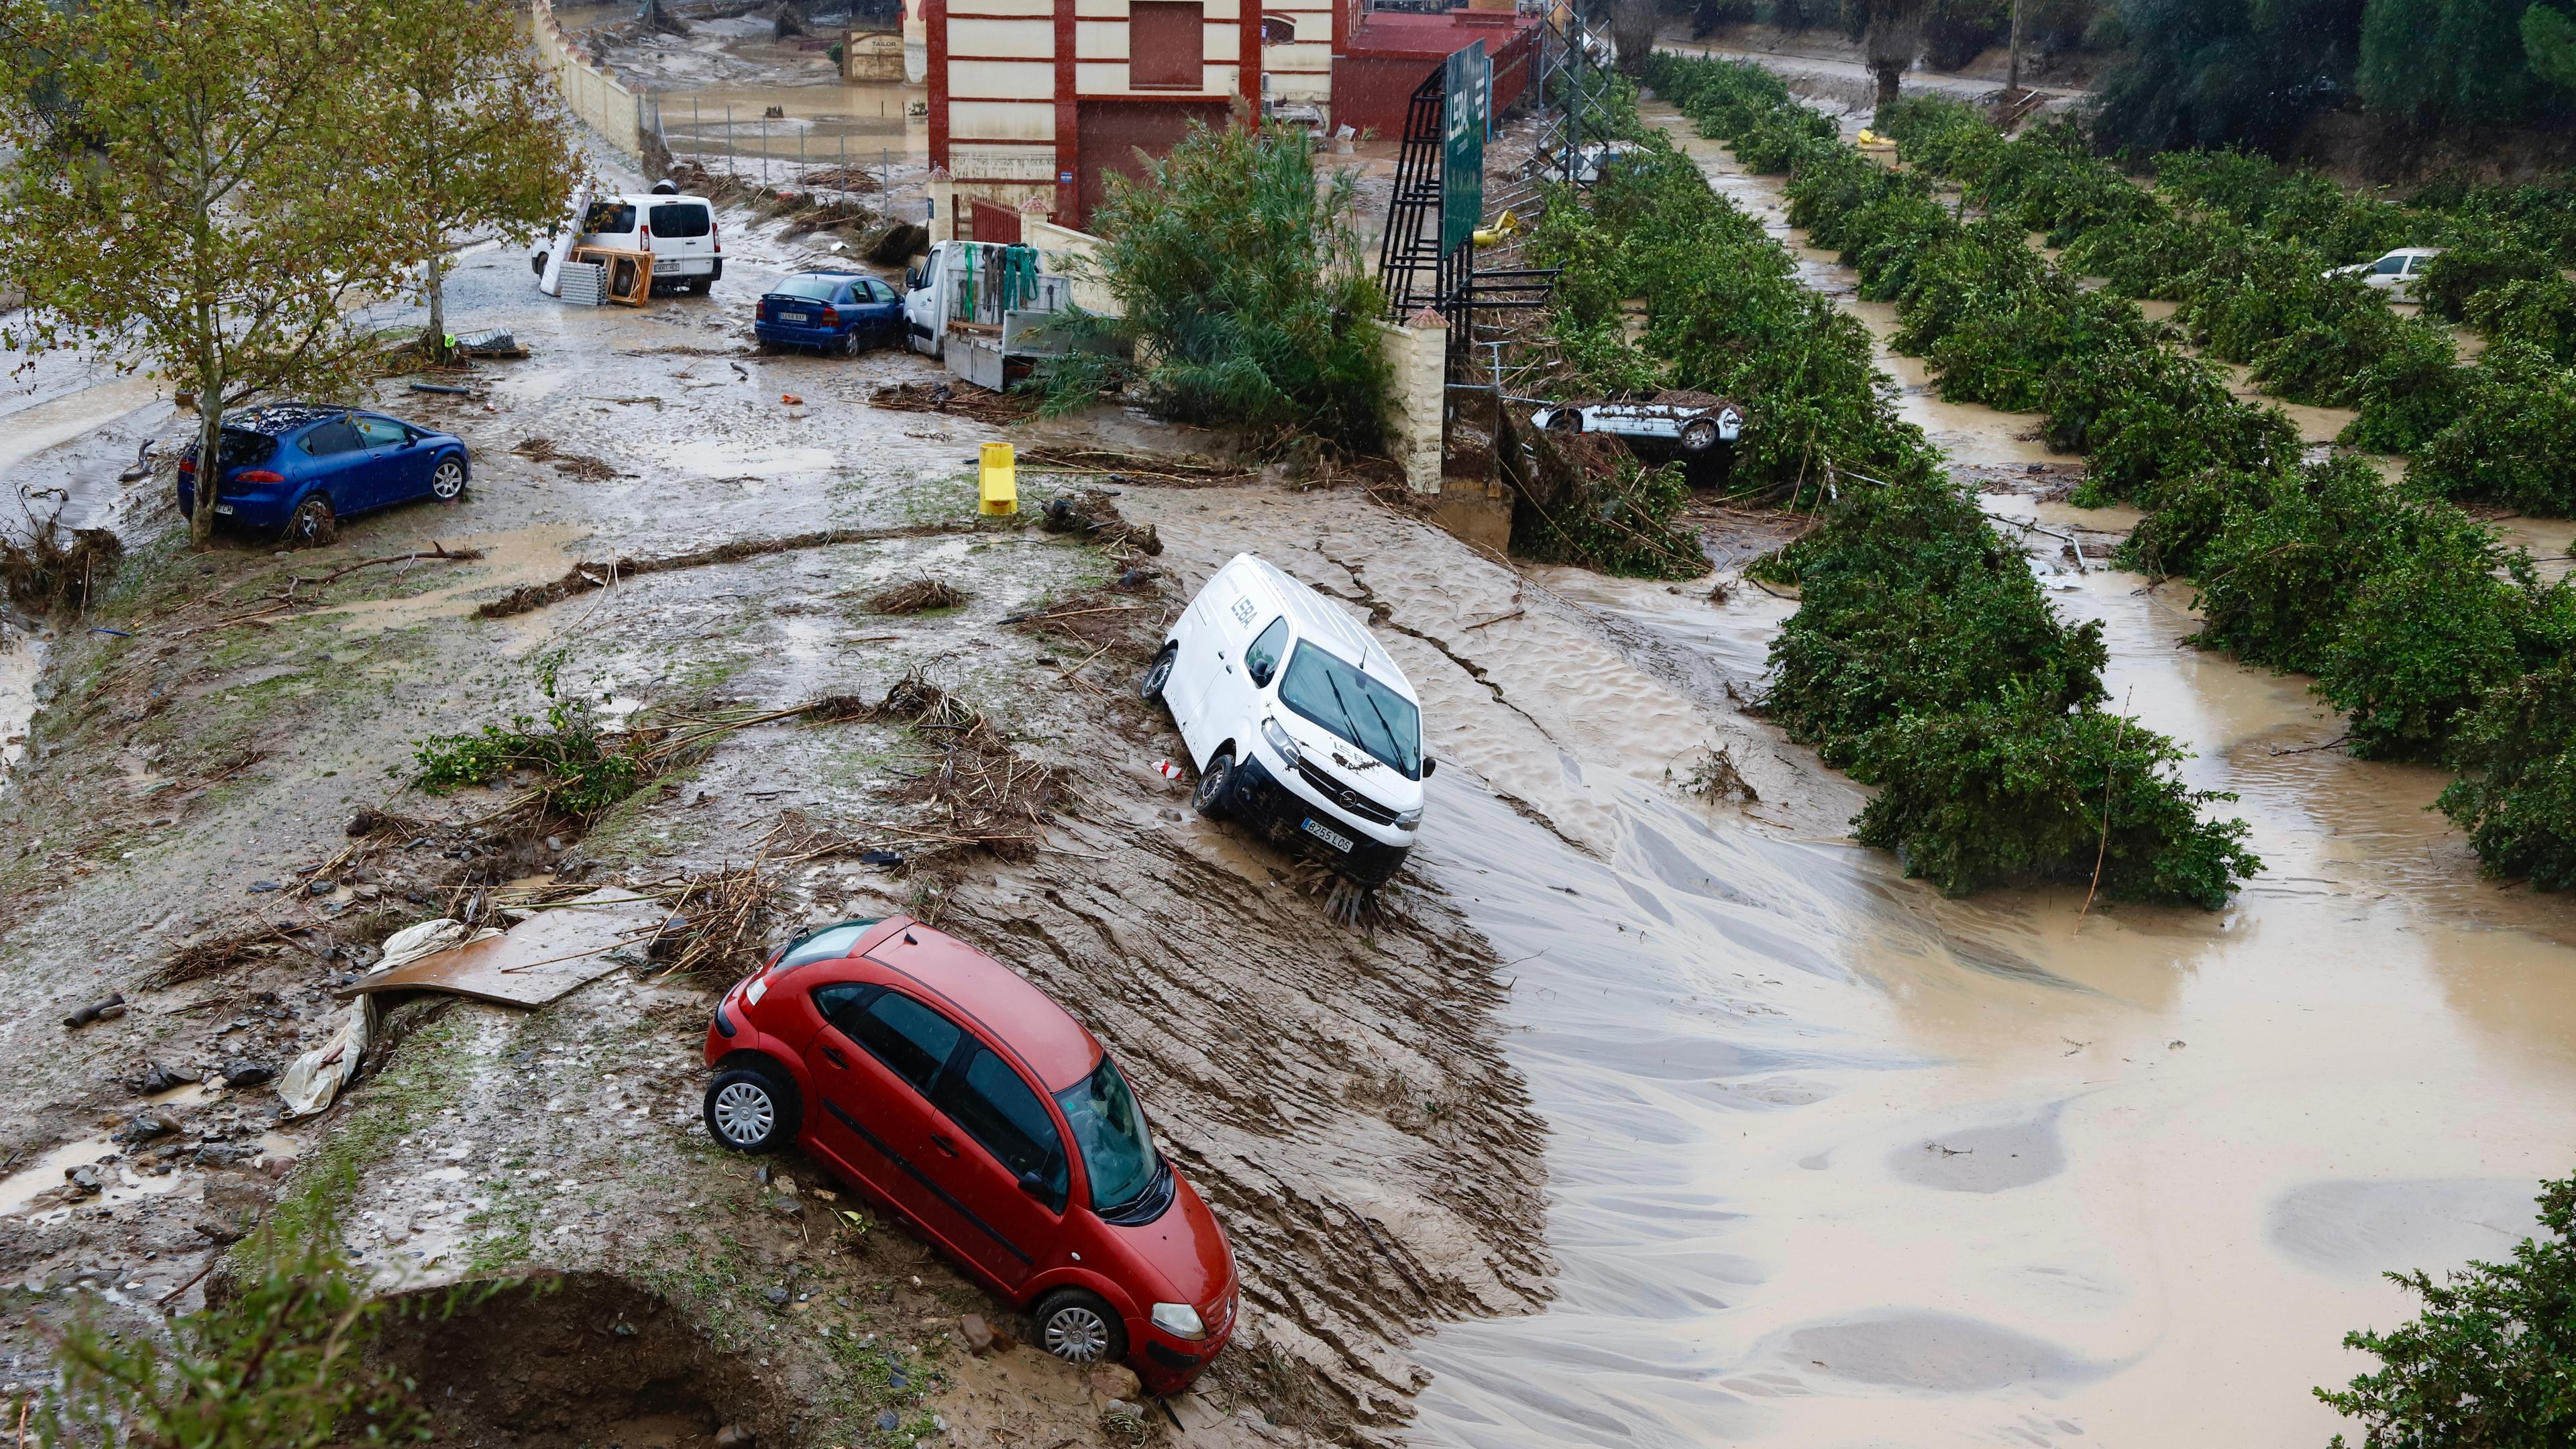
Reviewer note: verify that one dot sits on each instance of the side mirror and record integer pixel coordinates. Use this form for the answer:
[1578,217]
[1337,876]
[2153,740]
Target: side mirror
[1428,765]
[1035,1186]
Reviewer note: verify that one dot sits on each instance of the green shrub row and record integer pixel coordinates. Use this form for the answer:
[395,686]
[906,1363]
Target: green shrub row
[2434,640]
[1996,322]
[1924,658]
[2247,249]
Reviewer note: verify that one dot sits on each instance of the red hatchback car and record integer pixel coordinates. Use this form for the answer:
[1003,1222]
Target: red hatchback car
[937,1080]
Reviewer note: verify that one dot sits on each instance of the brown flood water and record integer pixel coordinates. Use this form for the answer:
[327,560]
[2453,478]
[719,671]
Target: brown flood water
[1999,1172]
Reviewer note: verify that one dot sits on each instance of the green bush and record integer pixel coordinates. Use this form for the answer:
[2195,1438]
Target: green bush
[1911,604]
[2428,631]
[2516,797]
[2183,513]
[2277,579]
[2335,358]
[2511,439]
[581,766]
[2488,1362]
[2407,395]
[1243,291]
[2475,264]
[1924,658]
[2539,312]
[280,1363]
[2002,793]
[1619,525]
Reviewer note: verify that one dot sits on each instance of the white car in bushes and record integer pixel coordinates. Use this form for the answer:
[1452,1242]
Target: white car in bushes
[2394,273]
[1693,421]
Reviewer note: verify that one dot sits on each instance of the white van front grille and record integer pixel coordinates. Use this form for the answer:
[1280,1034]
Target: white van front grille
[1344,796]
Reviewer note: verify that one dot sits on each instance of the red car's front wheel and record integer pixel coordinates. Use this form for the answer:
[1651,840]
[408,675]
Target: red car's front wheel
[750,1110]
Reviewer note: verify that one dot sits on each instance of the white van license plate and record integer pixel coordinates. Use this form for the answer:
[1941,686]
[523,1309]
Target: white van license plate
[1327,834]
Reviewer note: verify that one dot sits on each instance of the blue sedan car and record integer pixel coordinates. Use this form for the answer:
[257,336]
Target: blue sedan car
[843,312]
[299,468]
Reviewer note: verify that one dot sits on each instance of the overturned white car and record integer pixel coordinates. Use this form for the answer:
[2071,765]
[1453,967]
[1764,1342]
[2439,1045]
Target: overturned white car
[1695,421]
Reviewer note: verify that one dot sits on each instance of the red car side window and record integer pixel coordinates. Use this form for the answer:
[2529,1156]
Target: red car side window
[911,1039]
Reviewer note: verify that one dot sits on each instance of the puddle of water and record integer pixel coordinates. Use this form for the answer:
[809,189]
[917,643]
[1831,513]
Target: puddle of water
[511,559]
[724,458]
[48,424]
[46,1172]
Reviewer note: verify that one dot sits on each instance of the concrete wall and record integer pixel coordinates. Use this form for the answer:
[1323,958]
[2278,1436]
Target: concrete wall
[600,103]
[1417,352]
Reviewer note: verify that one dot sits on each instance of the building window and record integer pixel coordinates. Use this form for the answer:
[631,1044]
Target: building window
[1278,30]
[1166,44]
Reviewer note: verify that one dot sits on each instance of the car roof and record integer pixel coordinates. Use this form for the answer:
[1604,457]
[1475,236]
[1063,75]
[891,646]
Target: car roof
[1315,617]
[1009,1008]
[278,419]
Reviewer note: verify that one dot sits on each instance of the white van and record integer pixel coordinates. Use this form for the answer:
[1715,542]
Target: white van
[1301,727]
[678,229]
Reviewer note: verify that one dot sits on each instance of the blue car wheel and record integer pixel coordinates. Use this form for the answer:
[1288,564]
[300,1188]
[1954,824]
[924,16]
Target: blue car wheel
[312,524]
[447,481]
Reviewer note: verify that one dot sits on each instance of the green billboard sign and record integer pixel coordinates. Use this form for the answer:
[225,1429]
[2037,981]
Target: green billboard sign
[1467,82]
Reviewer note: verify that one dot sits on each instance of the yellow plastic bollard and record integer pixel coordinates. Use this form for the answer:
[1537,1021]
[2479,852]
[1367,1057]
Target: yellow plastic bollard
[1000,487]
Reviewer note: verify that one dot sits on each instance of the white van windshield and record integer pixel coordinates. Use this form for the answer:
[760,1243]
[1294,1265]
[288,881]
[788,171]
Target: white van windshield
[1336,695]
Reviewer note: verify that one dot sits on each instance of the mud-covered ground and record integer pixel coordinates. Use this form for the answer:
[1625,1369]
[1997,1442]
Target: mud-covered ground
[181,836]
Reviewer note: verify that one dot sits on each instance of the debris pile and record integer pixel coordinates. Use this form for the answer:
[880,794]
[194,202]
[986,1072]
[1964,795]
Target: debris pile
[919,596]
[940,397]
[571,465]
[993,798]
[1091,512]
[46,573]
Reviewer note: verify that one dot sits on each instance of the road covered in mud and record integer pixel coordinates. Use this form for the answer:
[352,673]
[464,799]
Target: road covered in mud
[2002,1168]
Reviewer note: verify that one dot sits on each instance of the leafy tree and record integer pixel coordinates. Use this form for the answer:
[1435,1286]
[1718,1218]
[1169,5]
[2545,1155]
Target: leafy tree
[2490,1363]
[2512,437]
[479,134]
[2549,45]
[2516,797]
[201,186]
[1244,292]
[2225,72]
[2449,60]
[1998,793]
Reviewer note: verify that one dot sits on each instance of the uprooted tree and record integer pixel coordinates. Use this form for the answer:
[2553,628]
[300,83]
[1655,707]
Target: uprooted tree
[1244,295]
[194,188]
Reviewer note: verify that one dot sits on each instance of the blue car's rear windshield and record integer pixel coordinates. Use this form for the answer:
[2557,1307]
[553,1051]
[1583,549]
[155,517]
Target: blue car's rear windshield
[240,448]
[1333,693]
[821,289]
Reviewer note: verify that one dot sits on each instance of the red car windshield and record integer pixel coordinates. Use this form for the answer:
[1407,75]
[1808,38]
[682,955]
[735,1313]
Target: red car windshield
[1110,1131]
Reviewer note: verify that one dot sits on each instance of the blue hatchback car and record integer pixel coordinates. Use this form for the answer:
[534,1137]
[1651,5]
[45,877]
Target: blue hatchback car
[843,312]
[299,468]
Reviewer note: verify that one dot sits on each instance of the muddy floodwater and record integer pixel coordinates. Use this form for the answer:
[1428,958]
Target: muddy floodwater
[1837,1161]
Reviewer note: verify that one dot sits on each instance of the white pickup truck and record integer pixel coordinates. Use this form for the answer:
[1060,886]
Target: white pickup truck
[983,308]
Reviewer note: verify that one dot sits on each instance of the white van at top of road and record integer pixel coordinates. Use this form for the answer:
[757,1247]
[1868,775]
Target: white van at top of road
[678,229]
[1301,727]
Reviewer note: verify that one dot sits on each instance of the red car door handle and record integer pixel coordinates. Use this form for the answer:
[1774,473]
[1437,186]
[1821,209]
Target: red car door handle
[838,1060]
[943,1144]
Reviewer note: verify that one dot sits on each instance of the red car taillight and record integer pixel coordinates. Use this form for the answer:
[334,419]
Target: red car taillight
[258,475]
[831,317]
[188,465]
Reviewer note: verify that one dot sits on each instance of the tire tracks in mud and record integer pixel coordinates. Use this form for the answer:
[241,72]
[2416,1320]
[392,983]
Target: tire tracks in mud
[1340,1098]
[1381,612]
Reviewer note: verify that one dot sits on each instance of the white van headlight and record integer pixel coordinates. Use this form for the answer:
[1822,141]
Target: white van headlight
[1281,741]
[1179,1320]
[1409,819]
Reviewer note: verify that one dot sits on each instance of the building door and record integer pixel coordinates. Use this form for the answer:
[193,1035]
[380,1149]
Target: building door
[995,223]
[1108,134]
